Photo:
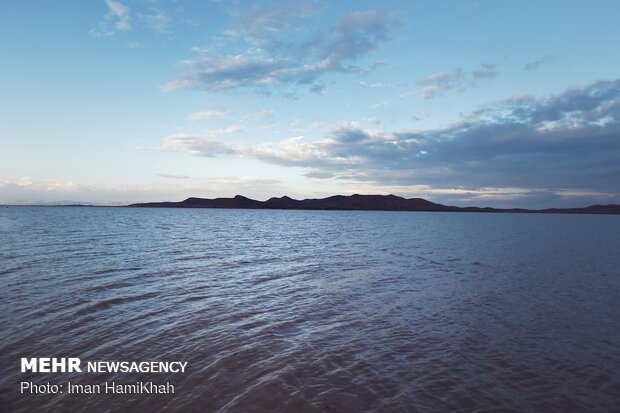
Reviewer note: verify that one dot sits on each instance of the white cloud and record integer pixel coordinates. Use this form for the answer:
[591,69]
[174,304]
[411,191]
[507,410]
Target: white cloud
[566,144]
[158,20]
[261,114]
[379,105]
[229,130]
[276,58]
[208,114]
[198,146]
[122,14]
[375,85]
[437,84]
[117,18]
[175,187]
[47,185]
[173,176]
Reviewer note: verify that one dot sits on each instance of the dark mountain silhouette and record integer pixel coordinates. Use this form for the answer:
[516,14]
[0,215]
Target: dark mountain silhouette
[592,209]
[359,203]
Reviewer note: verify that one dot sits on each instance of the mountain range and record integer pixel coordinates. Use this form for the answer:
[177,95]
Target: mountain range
[359,203]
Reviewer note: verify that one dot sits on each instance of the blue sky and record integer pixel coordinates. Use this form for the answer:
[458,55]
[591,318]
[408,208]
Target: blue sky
[463,102]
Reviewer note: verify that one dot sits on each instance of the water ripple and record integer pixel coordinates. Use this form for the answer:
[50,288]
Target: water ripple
[317,311]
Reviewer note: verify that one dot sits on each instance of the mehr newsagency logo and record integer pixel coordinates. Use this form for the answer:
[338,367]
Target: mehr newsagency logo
[52,365]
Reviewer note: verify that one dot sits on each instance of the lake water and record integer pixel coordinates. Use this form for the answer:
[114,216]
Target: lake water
[315,311]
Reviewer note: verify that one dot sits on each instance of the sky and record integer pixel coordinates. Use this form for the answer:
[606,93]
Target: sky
[488,103]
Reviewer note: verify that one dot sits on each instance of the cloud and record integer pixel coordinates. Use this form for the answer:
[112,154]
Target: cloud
[199,146]
[261,114]
[266,24]
[117,18]
[48,185]
[158,20]
[536,64]
[379,105]
[280,51]
[244,180]
[207,114]
[564,145]
[486,71]
[318,88]
[374,85]
[228,72]
[229,130]
[437,84]
[173,176]
[211,134]
[26,190]
[356,34]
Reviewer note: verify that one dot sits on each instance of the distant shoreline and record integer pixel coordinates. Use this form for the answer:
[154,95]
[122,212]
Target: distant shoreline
[361,203]
[338,203]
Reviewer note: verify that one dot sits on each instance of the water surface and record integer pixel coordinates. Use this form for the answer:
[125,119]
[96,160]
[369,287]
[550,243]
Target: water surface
[315,311]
